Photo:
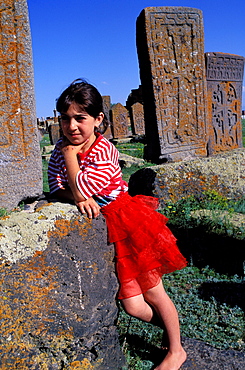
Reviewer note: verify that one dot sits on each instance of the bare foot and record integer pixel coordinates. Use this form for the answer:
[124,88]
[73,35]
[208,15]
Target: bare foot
[172,361]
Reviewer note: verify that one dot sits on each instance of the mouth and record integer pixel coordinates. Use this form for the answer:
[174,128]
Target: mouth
[73,135]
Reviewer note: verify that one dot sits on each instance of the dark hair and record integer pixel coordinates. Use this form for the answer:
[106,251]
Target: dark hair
[87,97]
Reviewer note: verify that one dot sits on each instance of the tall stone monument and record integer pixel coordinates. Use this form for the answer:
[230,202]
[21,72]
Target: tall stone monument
[20,159]
[224,84]
[170,44]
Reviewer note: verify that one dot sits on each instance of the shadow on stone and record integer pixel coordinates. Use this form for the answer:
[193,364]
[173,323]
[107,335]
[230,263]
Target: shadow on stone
[223,253]
[145,350]
[142,182]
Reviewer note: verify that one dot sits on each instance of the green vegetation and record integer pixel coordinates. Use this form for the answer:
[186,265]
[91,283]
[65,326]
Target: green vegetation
[3,212]
[222,210]
[45,176]
[134,149]
[201,295]
[211,319]
[45,142]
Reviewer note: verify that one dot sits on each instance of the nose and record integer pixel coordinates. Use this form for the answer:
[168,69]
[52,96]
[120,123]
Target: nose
[72,123]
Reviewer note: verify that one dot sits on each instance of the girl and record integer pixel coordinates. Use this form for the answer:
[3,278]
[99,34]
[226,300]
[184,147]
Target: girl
[84,168]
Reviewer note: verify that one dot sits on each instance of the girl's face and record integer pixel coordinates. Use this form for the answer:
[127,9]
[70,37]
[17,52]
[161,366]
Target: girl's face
[78,126]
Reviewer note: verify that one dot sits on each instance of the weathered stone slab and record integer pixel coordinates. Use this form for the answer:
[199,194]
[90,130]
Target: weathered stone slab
[135,96]
[20,159]
[223,173]
[138,120]
[170,44]
[120,121]
[55,133]
[107,107]
[57,292]
[224,83]
[203,356]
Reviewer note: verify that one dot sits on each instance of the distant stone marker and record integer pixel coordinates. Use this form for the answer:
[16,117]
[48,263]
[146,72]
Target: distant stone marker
[106,108]
[20,159]
[224,82]
[138,121]
[120,121]
[170,45]
[55,133]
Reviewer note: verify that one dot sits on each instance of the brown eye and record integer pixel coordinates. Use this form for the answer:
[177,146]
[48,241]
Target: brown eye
[64,118]
[80,118]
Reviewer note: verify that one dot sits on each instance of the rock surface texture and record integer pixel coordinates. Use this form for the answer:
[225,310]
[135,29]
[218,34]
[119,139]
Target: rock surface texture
[223,172]
[57,291]
[20,162]
[204,357]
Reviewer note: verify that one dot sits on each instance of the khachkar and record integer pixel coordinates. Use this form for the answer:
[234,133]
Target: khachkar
[224,83]
[171,60]
[20,159]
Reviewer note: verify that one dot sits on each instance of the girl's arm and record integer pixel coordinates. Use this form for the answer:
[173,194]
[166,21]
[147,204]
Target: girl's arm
[89,205]
[72,168]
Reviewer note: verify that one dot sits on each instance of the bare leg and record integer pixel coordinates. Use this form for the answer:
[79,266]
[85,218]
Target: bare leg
[137,306]
[159,302]
[166,310]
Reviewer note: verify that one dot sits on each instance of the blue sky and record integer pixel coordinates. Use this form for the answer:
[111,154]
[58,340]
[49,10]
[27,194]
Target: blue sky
[95,40]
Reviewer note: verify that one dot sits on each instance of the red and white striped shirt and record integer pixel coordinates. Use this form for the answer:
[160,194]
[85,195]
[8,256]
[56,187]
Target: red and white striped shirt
[99,176]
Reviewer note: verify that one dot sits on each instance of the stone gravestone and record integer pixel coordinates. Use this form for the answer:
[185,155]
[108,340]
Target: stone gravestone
[224,83]
[120,121]
[138,121]
[106,108]
[55,133]
[170,44]
[20,158]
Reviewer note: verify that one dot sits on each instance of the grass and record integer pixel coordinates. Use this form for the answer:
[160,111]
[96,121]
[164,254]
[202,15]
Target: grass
[3,212]
[214,318]
[209,304]
[135,149]
[221,213]
[45,142]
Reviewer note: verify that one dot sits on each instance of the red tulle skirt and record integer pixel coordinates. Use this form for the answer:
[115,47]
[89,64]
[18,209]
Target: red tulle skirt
[145,247]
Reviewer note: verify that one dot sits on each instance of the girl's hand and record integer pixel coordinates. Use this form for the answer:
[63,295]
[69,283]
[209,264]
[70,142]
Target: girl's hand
[90,207]
[68,148]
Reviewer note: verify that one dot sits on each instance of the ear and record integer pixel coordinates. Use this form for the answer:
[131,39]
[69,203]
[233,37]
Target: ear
[99,119]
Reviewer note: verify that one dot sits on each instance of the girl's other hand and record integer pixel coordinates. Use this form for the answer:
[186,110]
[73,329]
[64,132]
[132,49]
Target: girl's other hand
[90,207]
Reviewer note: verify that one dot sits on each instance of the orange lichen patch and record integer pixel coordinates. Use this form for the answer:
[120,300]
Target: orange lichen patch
[84,365]
[191,183]
[64,227]
[85,227]
[4,217]
[27,307]
[44,205]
